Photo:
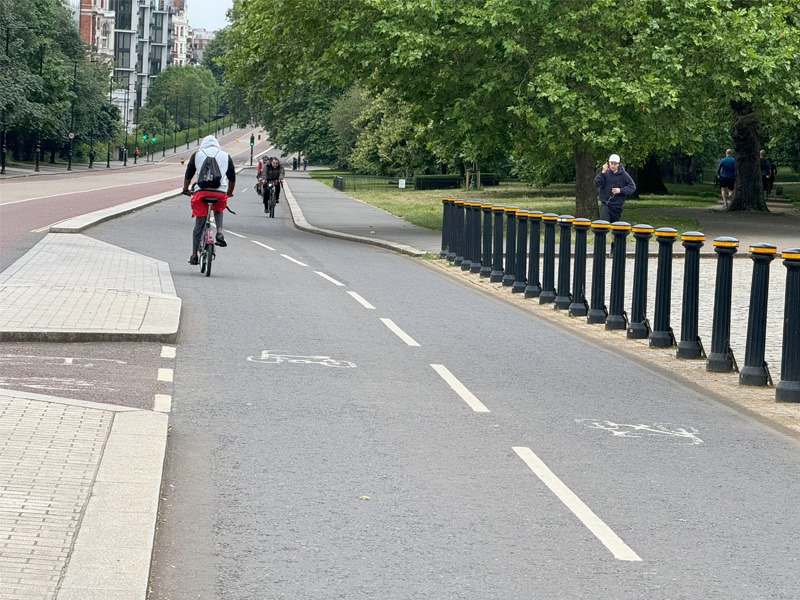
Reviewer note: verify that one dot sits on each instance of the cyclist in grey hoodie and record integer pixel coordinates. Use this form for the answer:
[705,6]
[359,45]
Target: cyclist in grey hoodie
[614,185]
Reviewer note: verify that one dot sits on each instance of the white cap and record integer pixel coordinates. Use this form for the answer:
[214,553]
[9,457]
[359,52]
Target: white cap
[614,158]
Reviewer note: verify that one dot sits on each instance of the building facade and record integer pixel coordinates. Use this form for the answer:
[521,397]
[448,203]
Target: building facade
[96,24]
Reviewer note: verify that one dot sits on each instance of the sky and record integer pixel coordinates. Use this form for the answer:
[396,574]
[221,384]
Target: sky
[208,14]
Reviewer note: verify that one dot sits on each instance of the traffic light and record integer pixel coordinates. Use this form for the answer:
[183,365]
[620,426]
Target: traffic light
[144,137]
[153,140]
[252,140]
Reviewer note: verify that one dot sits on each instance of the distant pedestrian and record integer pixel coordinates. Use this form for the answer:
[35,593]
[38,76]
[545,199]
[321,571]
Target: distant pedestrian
[768,172]
[726,173]
[294,163]
[305,163]
[614,185]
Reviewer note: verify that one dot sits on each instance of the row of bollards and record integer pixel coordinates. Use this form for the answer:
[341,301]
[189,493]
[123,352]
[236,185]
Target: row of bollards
[473,236]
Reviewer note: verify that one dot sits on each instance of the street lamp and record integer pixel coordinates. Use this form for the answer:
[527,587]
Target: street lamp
[110,105]
[189,114]
[72,115]
[127,122]
[5,135]
[164,133]
[175,134]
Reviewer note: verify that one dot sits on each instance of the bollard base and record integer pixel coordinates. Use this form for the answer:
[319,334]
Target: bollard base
[466,265]
[615,322]
[451,256]
[508,279]
[689,350]
[638,331]
[475,268]
[486,271]
[496,276]
[719,362]
[578,309]
[562,302]
[596,316]
[519,286]
[787,391]
[533,291]
[547,297]
[662,339]
[458,260]
[754,376]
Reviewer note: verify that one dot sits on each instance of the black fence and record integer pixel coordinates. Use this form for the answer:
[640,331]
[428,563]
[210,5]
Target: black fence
[346,183]
[505,244]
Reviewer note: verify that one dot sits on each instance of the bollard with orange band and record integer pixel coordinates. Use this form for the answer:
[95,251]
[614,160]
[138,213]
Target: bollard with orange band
[597,309]
[617,319]
[788,388]
[662,335]
[639,327]
[721,359]
[755,371]
[690,345]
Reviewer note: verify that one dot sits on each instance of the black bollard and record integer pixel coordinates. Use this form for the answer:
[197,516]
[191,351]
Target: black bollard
[662,335]
[639,327]
[690,345]
[755,371]
[452,234]
[597,309]
[548,293]
[520,281]
[445,226]
[720,359]
[496,276]
[477,257]
[563,298]
[460,216]
[617,319]
[511,246]
[486,255]
[578,307]
[788,388]
[534,287]
[469,241]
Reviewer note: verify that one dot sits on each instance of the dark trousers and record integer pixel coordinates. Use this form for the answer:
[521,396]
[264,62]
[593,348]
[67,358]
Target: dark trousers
[610,213]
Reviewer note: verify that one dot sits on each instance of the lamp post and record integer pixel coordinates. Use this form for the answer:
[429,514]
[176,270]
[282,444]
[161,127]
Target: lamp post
[110,105]
[72,115]
[175,136]
[199,118]
[127,122]
[164,133]
[5,135]
[188,115]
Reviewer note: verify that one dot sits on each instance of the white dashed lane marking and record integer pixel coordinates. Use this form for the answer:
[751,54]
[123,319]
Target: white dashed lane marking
[239,235]
[399,332]
[602,532]
[329,278]
[361,301]
[263,245]
[162,403]
[165,375]
[460,389]
[294,260]
[167,352]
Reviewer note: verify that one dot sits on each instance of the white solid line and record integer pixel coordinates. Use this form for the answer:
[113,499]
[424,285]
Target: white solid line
[460,389]
[602,532]
[399,332]
[263,245]
[162,403]
[329,278]
[236,234]
[167,351]
[165,374]
[294,260]
[361,301]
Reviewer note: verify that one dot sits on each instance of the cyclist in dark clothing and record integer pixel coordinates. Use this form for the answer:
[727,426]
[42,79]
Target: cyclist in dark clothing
[272,171]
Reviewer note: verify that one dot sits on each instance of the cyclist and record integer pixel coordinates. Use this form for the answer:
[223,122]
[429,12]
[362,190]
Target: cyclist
[272,171]
[209,147]
[259,176]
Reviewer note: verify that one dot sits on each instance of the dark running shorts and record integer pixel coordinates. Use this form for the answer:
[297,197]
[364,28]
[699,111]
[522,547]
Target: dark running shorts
[725,182]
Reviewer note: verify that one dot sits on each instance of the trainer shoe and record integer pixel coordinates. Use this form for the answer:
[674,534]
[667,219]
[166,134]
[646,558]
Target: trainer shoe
[193,260]
[221,240]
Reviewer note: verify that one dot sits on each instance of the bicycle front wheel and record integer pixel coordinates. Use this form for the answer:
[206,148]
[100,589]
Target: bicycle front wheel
[209,259]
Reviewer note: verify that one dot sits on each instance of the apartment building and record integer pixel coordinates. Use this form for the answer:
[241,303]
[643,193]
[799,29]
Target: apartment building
[96,24]
[200,39]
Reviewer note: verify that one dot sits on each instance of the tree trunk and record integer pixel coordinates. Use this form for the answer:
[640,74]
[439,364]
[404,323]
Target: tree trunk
[746,134]
[648,178]
[585,192]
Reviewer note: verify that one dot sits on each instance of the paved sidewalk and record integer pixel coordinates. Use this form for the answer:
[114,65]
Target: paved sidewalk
[79,482]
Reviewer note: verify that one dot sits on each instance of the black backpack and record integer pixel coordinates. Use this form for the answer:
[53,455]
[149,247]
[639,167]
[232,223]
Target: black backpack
[209,176]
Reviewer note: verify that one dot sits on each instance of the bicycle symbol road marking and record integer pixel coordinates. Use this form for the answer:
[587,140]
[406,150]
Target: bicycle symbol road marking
[642,430]
[325,361]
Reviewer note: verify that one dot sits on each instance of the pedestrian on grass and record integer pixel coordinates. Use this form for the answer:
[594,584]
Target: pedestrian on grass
[726,173]
[614,185]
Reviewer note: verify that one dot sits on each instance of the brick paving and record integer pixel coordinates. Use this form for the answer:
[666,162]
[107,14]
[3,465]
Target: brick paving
[49,455]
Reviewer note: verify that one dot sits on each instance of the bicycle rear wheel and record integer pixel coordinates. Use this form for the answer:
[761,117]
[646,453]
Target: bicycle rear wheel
[272,200]
[209,258]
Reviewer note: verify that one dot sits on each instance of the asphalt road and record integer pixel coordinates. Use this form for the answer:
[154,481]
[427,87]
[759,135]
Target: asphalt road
[404,436]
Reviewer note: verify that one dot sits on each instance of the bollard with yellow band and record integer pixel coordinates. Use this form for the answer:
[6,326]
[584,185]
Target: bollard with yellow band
[534,286]
[690,345]
[496,276]
[617,319]
[639,327]
[548,293]
[598,313]
[662,335]
[520,282]
[486,254]
[511,246]
[578,307]
[563,297]
[788,388]
[755,371]
[477,255]
[469,239]
[446,205]
[459,227]
[721,359]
